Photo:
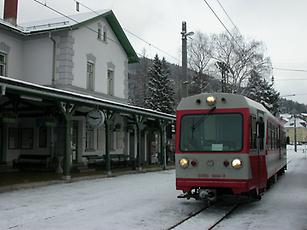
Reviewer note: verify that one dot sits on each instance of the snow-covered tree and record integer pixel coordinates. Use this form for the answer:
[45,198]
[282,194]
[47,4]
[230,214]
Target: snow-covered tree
[138,81]
[271,96]
[160,95]
[262,91]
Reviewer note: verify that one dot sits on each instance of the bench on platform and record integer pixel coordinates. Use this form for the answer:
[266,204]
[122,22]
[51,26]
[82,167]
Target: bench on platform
[33,162]
[94,159]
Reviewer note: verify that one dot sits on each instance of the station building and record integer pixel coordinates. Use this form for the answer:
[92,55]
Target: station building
[64,93]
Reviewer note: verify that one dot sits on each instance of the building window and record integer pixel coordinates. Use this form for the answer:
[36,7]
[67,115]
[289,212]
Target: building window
[3,62]
[13,141]
[42,138]
[99,34]
[27,138]
[90,76]
[104,38]
[111,82]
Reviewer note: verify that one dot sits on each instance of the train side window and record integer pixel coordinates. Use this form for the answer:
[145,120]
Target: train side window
[270,136]
[253,133]
[279,138]
[260,132]
[276,137]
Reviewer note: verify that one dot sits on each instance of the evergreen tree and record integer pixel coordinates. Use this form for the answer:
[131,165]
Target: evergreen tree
[263,92]
[160,95]
[168,92]
[271,97]
[254,87]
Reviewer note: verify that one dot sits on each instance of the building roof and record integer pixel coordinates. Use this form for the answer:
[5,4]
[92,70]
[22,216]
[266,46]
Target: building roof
[39,91]
[74,22]
[300,123]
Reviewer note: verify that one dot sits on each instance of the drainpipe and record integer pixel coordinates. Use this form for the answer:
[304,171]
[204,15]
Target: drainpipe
[53,59]
[52,140]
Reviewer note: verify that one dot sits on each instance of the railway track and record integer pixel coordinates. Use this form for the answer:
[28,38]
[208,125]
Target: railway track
[208,217]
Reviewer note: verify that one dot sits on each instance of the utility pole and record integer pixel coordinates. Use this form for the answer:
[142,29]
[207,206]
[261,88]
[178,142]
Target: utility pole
[184,59]
[224,70]
[295,145]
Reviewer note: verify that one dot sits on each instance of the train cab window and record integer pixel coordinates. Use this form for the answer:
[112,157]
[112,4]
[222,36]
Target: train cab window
[211,133]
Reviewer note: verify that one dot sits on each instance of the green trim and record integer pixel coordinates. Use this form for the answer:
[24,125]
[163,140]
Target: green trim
[118,31]
[121,36]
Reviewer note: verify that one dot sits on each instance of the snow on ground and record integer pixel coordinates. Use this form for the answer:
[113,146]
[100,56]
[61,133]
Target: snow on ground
[284,206]
[140,201]
[148,201]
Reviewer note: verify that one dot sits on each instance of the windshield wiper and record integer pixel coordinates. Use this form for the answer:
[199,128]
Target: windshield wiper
[201,120]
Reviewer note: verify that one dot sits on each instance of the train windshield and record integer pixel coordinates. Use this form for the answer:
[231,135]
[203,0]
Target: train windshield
[211,133]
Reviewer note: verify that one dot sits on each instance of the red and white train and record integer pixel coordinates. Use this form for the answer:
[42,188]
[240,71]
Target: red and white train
[226,144]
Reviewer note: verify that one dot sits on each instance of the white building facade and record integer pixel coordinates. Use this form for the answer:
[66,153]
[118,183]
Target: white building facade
[86,54]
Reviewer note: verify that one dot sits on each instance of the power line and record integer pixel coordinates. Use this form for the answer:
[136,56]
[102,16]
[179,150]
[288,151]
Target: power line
[96,31]
[150,44]
[227,15]
[291,79]
[293,70]
[222,24]
[133,34]
[294,94]
[66,16]
[283,69]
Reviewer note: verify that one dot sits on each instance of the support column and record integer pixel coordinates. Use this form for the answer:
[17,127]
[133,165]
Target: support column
[163,125]
[67,110]
[2,145]
[109,115]
[139,120]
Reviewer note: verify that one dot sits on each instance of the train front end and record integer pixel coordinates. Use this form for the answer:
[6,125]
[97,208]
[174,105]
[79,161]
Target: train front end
[211,146]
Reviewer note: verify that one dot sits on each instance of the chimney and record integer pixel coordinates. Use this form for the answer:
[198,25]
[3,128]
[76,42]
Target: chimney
[10,11]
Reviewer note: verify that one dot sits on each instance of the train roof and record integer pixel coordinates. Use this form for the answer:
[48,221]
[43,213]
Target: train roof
[223,101]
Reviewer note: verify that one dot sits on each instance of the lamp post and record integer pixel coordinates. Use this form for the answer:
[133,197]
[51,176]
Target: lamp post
[184,35]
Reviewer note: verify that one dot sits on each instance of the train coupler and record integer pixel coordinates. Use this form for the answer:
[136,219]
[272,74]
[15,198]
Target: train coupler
[186,195]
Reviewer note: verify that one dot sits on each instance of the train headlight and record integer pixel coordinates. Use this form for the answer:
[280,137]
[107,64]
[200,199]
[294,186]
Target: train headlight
[236,163]
[184,163]
[211,100]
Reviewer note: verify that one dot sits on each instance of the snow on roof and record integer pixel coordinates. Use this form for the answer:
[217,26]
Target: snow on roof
[300,123]
[74,21]
[54,23]
[286,115]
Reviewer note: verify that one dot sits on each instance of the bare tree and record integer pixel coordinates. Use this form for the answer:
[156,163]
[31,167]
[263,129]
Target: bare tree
[199,52]
[239,56]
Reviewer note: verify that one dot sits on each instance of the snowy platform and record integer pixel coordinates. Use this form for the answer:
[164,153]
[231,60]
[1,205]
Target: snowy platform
[148,201]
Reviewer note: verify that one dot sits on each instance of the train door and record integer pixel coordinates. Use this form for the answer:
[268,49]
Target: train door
[279,141]
[261,169]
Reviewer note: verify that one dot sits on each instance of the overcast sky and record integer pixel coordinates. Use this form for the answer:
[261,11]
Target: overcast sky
[280,24]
